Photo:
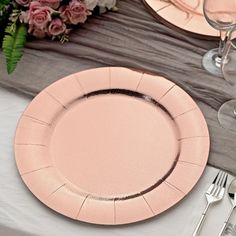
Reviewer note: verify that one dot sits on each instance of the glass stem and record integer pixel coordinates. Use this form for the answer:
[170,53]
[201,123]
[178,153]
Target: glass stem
[226,51]
[226,47]
[223,38]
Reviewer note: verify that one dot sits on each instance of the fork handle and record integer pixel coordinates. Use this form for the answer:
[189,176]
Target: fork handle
[202,219]
[225,223]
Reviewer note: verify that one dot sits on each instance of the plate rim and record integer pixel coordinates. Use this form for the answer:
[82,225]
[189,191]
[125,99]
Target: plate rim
[73,75]
[171,25]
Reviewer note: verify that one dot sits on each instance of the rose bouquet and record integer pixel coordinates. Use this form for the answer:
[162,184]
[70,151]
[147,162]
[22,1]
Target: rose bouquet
[54,19]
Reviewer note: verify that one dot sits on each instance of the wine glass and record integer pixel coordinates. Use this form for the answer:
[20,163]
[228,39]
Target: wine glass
[221,15]
[227,112]
[229,58]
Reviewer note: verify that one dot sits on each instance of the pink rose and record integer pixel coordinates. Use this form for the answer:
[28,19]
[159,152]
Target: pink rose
[39,15]
[50,3]
[56,27]
[23,3]
[76,12]
[37,32]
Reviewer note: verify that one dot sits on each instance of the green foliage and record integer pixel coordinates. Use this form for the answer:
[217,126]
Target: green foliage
[3,4]
[13,44]
[4,15]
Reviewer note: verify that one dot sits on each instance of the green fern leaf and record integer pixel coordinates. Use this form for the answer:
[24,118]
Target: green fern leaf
[13,44]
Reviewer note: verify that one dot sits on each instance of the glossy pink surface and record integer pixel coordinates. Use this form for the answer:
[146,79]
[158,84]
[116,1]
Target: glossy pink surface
[113,156]
[101,145]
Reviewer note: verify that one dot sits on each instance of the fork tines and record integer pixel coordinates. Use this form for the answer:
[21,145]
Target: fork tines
[219,184]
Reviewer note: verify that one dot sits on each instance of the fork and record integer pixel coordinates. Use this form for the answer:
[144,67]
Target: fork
[214,194]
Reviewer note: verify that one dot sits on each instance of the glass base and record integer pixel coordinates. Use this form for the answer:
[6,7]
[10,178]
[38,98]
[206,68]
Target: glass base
[212,63]
[227,115]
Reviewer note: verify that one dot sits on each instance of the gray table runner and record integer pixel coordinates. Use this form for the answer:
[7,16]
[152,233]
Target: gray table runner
[132,38]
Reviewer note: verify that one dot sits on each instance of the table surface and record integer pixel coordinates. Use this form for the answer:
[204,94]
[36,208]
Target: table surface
[22,214]
[130,38]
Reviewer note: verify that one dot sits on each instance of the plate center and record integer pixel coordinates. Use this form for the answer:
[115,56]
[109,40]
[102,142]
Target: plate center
[114,145]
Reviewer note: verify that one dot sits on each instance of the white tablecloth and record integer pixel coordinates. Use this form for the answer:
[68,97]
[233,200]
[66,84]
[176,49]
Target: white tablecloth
[21,214]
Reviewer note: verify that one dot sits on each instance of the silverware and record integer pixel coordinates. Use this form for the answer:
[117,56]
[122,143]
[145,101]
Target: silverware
[232,197]
[214,194]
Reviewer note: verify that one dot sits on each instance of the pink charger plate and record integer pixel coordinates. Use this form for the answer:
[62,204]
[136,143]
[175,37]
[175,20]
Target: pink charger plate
[111,145]
[185,15]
